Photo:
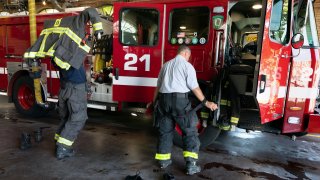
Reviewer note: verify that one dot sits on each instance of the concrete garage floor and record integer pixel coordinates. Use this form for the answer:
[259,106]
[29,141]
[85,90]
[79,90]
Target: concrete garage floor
[114,145]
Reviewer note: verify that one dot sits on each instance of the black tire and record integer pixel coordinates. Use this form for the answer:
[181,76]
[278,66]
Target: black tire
[24,99]
[206,137]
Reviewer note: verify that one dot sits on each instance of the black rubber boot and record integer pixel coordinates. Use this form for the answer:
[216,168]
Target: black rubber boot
[135,177]
[192,168]
[25,142]
[62,152]
[164,163]
[168,176]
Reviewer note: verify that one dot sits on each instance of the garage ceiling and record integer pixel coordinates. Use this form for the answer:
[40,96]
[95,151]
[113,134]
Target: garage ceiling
[13,6]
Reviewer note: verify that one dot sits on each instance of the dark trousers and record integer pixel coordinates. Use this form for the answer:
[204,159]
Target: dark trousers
[175,108]
[72,111]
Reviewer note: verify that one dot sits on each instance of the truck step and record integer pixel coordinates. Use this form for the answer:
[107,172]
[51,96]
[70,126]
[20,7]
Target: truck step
[250,120]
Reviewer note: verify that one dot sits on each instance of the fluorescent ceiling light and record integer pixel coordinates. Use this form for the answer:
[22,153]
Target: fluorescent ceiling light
[183,27]
[257,6]
[134,114]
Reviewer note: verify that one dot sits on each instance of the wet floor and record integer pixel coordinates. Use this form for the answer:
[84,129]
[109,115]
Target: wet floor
[114,145]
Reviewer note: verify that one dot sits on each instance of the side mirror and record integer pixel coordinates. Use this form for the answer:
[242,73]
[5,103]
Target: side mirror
[297,41]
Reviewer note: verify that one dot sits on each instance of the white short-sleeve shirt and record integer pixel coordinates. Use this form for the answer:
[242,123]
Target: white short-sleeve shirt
[177,76]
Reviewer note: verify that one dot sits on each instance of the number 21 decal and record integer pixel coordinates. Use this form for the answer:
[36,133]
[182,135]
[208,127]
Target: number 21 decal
[132,59]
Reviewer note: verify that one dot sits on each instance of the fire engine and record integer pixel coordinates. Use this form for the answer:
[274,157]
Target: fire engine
[269,48]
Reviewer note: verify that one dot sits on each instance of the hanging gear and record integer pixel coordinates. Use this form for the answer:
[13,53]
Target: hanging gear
[229,105]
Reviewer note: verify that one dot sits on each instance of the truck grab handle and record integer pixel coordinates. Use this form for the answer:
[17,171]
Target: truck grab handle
[116,73]
[263,80]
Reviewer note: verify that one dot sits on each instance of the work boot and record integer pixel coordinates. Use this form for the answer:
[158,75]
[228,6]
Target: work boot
[134,177]
[62,152]
[224,123]
[168,176]
[25,141]
[192,168]
[164,163]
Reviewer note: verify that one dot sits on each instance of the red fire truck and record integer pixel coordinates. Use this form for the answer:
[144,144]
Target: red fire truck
[274,44]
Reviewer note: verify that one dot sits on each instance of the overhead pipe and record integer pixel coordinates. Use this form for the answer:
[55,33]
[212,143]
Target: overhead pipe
[57,6]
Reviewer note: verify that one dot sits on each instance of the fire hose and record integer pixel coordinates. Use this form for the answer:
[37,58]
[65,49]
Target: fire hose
[36,75]
[35,64]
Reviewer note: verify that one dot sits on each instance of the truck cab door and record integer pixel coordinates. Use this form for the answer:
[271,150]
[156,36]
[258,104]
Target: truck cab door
[303,87]
[274,60]
[200,26]
[137,50]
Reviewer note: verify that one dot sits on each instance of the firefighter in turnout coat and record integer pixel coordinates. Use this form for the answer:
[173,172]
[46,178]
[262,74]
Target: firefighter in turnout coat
[66,41]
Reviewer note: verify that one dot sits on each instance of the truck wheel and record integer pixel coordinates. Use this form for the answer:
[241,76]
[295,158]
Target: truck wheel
[206,135]
[24,98]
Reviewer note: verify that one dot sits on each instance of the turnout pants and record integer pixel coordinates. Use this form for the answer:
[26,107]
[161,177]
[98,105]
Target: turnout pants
[229,106]
[175,108]
[72,111]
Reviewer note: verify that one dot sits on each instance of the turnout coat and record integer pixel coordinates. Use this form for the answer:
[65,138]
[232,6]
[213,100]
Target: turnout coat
[65,39]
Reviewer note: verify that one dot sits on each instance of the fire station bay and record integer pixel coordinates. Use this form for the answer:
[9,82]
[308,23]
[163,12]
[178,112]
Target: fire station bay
[160,89]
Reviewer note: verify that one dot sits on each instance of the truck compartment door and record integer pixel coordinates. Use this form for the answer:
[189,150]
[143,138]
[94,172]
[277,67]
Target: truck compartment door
[303,87]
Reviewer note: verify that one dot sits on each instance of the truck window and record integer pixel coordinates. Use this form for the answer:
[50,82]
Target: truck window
[280,21]
[189,26]
[139,26]
[304,23]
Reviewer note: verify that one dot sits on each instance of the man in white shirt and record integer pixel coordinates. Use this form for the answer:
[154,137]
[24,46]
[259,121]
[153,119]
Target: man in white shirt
[176,78]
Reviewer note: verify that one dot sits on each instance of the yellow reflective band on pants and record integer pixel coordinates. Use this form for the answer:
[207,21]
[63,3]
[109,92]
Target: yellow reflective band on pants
[204,115]
[226,85]
[190,154]
[234,120]
[64,141]
[56,137]
[223,102]
[163,156]
[97,26]
[61,64]
[225,127]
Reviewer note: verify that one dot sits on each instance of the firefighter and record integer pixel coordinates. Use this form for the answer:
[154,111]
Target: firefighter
[67,43]
[176,79]
[72,106]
